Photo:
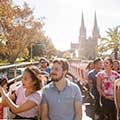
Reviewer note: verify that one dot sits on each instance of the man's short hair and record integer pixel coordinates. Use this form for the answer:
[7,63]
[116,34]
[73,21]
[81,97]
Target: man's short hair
[96,60]
[64,62]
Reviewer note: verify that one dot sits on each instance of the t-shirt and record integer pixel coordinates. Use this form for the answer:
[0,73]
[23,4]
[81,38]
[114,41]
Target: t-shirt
[48,70]
[92,76]
[21,98]
[108,82]
[61,104]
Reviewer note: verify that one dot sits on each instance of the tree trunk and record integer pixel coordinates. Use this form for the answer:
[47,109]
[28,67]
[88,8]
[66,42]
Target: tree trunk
[11,59]
[116,53]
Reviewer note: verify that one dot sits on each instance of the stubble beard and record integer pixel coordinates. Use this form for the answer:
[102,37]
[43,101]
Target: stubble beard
[57,79]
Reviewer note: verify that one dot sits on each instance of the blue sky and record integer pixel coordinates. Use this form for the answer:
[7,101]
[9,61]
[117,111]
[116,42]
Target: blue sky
[63,17]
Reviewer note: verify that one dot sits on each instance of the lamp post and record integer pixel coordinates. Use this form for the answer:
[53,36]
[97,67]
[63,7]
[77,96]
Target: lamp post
[31,52]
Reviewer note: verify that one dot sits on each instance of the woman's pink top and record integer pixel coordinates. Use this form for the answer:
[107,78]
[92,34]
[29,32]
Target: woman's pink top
[108,82]
[21,98]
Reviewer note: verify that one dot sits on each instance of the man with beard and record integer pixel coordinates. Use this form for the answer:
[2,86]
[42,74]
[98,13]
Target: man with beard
[62,99]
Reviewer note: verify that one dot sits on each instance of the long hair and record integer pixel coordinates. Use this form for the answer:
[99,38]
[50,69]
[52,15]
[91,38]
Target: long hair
[34,72]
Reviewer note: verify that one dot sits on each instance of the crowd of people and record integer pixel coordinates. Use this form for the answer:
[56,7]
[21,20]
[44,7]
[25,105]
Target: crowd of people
[102,84]
[47,91]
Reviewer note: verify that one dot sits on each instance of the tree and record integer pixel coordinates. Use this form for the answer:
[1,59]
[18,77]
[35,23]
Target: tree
[38,50]
[67,54]
[50,49]
[110,44]
[18,29]
[44,48]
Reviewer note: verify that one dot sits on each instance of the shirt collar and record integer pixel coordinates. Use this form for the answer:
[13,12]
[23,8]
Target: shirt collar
[52,85]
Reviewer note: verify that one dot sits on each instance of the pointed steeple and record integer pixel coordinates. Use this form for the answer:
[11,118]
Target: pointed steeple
[95,23]
[95,31]
[82,21]
[82,29]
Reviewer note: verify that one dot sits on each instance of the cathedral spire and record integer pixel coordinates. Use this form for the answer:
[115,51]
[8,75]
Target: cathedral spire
[95,31]
[95,23]
[82,21]
[82,28]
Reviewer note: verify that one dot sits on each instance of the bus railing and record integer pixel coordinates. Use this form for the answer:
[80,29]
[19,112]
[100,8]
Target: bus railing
[18,65]
[16,77]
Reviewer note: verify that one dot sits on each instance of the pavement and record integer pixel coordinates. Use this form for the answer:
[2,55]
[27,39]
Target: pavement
[87,112]
[87,108]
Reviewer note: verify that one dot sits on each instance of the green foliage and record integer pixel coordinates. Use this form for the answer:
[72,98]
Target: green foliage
[110,44]
[44,48]
[19,30]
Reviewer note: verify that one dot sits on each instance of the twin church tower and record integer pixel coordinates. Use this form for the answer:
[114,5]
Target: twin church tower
[87,46]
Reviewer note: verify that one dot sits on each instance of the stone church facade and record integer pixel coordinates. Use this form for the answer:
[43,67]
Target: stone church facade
[86,47]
